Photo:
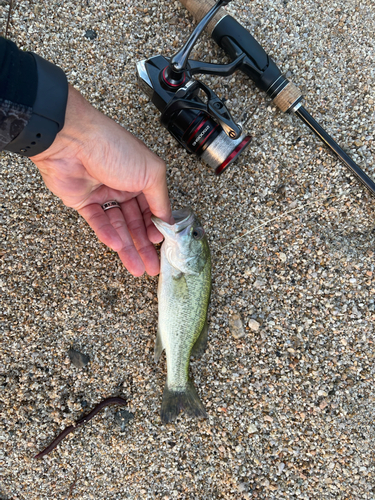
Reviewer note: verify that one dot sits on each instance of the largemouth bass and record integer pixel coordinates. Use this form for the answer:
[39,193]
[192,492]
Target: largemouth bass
[183,296]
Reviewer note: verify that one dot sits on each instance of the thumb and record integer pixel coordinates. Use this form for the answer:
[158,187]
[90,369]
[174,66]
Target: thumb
[157,197]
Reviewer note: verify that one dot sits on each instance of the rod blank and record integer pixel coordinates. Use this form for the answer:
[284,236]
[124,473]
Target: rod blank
[333,146]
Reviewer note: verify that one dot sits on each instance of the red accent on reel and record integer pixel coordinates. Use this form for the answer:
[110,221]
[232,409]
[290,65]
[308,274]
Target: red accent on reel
[170,83]
[220,169]
[196,130]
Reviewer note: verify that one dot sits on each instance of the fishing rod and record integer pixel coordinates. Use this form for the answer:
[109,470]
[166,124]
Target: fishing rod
[207,129]
[234,39]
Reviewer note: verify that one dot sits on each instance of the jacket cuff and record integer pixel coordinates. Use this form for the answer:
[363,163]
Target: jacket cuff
[33,98]
[18,74]
[48,111]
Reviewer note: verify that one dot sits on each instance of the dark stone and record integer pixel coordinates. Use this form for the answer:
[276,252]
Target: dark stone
[91,34]
[281,190]
[123,417]
[78,359]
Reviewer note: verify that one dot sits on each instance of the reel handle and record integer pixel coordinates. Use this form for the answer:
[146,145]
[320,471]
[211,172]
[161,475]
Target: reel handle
[175,74]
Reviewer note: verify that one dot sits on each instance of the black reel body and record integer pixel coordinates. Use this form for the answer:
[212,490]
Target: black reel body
[203,127]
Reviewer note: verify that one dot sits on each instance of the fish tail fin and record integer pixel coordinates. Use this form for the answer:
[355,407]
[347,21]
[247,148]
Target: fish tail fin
[187,400]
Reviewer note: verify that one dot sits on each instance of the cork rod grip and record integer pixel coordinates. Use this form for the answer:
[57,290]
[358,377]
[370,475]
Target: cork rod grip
[200,7]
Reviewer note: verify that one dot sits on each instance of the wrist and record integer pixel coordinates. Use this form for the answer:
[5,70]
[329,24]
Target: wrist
[78,123]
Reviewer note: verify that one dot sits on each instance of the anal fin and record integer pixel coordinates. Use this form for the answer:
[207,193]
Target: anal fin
[201,343]
[158,346]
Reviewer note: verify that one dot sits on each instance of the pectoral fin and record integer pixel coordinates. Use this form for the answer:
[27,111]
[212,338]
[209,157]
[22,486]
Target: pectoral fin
[158,346]
[201,343]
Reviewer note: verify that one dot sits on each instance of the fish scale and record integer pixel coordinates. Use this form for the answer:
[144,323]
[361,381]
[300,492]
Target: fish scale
[186,319]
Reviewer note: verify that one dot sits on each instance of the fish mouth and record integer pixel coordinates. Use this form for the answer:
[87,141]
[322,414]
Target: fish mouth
[183,217]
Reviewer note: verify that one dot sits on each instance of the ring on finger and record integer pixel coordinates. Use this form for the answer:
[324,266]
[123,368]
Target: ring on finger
[110,204]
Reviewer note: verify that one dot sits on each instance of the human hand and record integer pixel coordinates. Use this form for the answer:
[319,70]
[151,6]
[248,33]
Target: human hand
[94,160]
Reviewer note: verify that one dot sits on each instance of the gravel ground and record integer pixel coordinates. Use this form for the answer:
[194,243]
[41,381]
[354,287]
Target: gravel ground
[288,376]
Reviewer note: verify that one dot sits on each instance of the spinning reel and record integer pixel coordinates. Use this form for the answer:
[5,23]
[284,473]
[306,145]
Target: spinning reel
[206,129]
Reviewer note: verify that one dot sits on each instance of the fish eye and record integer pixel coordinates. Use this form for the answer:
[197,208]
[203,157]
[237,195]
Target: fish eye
[198,233]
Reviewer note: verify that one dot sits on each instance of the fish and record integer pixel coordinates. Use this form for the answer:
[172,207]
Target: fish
[184,291]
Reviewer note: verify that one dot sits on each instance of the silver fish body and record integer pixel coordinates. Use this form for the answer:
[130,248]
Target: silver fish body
[183,297]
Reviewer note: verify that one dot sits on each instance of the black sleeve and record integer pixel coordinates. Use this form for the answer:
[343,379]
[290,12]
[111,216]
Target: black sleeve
[18,88]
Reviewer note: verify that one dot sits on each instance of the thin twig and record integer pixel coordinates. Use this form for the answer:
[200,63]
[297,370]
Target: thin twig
[300,207]
[8,20]
[73,485]
[264,224]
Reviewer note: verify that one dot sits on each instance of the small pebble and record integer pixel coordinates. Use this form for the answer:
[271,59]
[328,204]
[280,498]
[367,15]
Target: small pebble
[123,417]
[236,326]
[259,284]
[78,359]
[280,467]
[243,487]
[252,429]
[282,257]
[254,325]
[91,34]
